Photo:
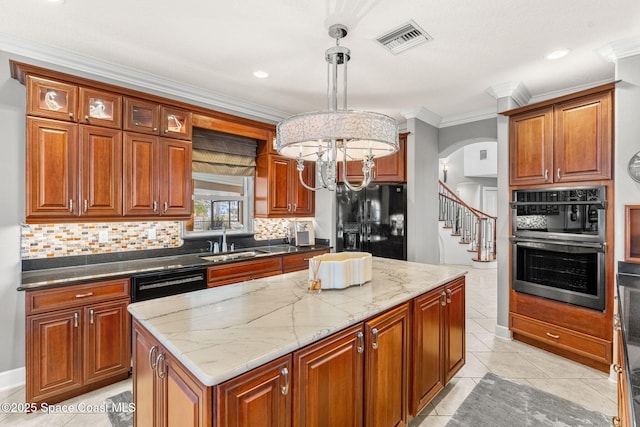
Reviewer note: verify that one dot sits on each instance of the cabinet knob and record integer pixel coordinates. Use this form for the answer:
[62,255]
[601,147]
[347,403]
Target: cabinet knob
[374,344]
[360,345]
[615,421]
[71,115]
[617,368]
[155,129]
[285,378]
[86,119]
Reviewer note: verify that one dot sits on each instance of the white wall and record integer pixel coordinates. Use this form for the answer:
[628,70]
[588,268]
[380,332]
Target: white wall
[12,195]
[627,143]
[476,165]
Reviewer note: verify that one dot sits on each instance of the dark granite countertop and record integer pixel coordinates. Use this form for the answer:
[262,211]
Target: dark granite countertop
[629,310]
[65,276]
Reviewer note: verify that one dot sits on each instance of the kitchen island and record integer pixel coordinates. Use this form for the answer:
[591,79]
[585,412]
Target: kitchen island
[205,357]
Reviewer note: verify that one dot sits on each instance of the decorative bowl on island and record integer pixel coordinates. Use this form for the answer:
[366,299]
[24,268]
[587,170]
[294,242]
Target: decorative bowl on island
[341,270]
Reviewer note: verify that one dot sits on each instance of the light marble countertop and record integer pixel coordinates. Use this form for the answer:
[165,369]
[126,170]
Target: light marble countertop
[222,332]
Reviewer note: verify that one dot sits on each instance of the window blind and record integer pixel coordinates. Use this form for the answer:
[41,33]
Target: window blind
[222,153]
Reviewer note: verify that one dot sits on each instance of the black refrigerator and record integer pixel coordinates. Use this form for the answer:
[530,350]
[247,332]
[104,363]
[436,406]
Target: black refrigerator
[373,220]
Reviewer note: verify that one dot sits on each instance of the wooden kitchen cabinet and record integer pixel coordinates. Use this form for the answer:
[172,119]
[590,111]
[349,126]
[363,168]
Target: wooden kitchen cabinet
[564,140]
[386,378]
[278,191]
[299,261]
[438,341]
[157,176]
[389,169]
[166,394]
[328,381]
[261,397]
[148,117]
[70,176]
[235,272]
[77,339]
[72,103]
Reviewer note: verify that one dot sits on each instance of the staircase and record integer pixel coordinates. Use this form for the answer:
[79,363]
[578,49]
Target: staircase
[474,231]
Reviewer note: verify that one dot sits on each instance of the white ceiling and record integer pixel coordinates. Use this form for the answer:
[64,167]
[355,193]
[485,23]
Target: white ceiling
[212,47]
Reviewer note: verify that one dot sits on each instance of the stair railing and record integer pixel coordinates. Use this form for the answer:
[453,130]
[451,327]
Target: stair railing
[474,227]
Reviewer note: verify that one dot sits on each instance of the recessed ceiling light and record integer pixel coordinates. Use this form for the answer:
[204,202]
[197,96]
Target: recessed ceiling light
[557,54]
[261,74]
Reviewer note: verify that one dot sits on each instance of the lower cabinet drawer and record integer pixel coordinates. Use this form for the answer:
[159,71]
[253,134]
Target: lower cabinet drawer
[244,270]
[40,301]
[557,336]
[300,261]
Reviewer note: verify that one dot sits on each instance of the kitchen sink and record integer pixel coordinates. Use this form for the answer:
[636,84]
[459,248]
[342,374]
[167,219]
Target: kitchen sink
[231,256]
[277,249]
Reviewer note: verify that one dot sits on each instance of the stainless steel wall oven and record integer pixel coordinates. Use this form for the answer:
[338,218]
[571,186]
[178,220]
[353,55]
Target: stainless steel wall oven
[559,244]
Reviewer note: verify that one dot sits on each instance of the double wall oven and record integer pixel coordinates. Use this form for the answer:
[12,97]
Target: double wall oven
[559,241]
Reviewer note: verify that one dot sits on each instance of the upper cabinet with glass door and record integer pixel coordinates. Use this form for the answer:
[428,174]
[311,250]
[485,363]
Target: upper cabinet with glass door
[71,103]
[154,119]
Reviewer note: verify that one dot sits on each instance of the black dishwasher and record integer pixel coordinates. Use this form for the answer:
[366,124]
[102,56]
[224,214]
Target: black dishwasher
[157,284]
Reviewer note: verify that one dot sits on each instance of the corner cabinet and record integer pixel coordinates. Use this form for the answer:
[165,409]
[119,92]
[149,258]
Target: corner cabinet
[165,393]
[77,339]
[278,191]
[567,140]
[439,341]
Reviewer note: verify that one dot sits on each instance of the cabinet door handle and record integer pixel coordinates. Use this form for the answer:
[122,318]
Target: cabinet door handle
[71,205]
[374,344]
[155,129]
[152,360]
[443,298]
[555,337]
[289,207]
[85,205]
[295,207]
[86,119]
[166,207]
[285,378]
[71,116]
[160,372]
[155,206]
[88,294]
[360,345]
[615,421]
[617,369]
[166,131]
[616,322]
[546,174]
[91,313]
[558,174]
[448,296]
[75,320]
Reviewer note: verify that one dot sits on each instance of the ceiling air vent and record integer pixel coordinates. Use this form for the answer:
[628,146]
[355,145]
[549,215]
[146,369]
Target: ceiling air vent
[404,37]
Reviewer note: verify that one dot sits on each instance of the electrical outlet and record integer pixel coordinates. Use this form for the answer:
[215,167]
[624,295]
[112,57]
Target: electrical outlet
[152,233]
[103,236]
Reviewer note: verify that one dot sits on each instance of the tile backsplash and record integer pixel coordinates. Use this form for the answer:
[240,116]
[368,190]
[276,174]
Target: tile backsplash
[56,240]
[270,228]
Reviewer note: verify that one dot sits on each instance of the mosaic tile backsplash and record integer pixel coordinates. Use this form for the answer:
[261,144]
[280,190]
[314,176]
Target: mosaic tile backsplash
[270,228]
[56,240]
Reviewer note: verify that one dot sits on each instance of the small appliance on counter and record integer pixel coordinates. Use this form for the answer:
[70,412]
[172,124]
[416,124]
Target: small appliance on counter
[302,232]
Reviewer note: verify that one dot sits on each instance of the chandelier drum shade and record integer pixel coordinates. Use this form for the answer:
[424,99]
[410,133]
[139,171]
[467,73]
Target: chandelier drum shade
[337,135]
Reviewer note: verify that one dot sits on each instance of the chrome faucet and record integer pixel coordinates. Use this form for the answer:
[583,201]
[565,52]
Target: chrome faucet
[224,238]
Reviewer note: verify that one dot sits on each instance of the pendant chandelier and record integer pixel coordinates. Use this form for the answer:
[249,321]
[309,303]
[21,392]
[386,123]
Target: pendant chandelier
[337,135]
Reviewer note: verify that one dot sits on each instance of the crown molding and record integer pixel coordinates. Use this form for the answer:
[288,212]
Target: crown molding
[620,49]
[568,91]
[424,115]
[126,76]
[515,90]
[468,117]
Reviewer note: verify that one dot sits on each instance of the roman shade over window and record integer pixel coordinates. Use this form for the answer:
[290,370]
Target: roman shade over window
[222,153]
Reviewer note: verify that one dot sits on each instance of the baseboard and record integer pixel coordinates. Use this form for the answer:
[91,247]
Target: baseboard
[13,378]
[503,332]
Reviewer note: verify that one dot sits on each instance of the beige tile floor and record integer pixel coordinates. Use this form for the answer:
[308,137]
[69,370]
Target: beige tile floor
[485,353]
